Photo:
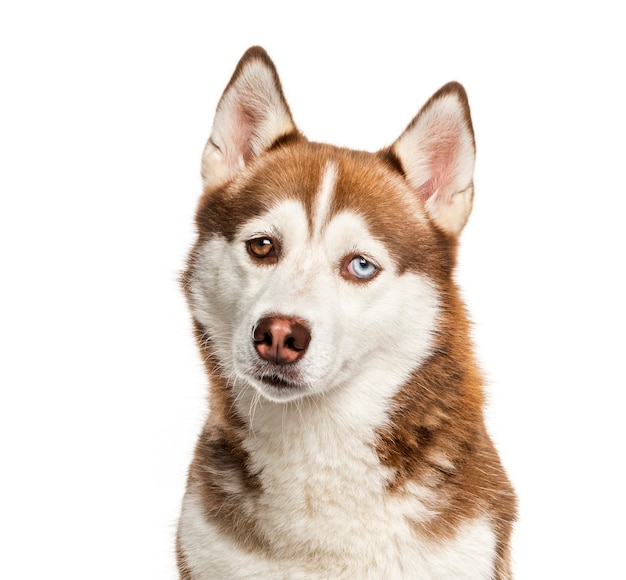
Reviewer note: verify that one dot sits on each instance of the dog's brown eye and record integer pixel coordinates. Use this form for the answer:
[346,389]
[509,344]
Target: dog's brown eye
[262,248]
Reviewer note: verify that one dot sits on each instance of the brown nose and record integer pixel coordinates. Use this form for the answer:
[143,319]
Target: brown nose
[281,340]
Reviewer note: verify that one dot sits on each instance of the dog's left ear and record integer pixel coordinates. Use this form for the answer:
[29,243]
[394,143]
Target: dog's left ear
[437,153]
[251,115]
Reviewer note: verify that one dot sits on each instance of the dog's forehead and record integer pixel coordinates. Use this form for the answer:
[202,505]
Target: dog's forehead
[326,180]
[329,180]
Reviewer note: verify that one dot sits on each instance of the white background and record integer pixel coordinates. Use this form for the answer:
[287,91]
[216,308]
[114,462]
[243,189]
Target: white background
[104,111]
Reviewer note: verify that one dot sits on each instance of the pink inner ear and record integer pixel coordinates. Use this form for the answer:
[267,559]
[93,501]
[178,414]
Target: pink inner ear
[441,148]
[246,120]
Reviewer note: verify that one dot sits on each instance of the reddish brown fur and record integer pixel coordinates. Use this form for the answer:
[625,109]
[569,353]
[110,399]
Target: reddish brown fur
[436,434]
[364,184]
[439,413]
[220,457]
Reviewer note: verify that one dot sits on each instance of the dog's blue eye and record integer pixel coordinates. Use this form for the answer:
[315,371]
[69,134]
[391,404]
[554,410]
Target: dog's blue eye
[362,268]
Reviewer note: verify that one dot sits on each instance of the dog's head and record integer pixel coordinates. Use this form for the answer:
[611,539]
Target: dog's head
[315,266]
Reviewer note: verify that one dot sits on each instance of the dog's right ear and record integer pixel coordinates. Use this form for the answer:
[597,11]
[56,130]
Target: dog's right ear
[437,153]
[251,115]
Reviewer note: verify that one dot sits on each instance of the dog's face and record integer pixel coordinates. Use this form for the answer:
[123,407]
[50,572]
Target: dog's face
[316,266]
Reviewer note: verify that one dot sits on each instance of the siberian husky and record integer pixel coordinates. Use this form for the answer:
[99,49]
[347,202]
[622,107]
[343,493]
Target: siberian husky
[345,437]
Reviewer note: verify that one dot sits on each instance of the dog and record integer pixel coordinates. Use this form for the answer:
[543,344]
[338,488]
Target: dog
[345,435]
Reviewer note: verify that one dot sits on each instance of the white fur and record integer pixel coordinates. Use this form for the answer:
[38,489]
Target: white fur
[355,328]
[318,522]
[324,198]
[380,545]
[324,507]
[310,449]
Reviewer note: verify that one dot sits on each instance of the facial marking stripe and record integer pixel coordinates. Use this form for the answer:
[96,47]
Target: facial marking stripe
[324,198]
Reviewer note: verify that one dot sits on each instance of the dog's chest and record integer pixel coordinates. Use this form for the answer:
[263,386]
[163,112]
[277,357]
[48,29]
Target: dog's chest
[323,491]
[324,507]
[325,510]
[327,504]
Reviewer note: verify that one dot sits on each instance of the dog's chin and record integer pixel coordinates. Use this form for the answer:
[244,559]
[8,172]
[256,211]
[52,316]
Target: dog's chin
[278,388]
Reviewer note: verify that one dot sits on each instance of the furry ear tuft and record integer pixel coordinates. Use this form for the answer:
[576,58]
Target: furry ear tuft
[251,115]
[437,153]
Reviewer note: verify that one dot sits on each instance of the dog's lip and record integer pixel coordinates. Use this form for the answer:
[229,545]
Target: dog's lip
[279,382]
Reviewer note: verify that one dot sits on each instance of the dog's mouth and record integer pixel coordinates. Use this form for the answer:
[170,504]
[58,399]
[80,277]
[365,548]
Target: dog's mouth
[278,387]
[278,382]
